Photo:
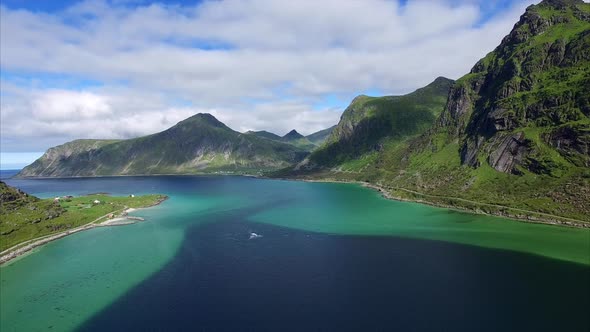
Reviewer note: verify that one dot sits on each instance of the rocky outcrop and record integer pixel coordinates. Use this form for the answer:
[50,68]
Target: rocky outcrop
[459,106]
[509,153]
[539,76]
[12,198]
[572,142]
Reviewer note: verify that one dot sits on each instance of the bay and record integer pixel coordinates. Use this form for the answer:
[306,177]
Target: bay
[331,256]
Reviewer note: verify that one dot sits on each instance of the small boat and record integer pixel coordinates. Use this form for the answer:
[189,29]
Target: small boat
[254,236]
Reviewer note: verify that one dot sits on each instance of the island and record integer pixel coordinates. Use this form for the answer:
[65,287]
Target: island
[27,222]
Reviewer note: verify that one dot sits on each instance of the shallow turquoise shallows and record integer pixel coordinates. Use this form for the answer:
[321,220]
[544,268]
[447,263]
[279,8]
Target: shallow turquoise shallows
[66,283]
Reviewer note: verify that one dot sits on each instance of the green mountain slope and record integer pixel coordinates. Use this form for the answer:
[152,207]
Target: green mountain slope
[198,144]
[513,138]
[319,137]
[369,122]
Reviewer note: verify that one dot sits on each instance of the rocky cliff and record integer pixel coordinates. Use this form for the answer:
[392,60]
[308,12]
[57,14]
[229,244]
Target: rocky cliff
[532,90]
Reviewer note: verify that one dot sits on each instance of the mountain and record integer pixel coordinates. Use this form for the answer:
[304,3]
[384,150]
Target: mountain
[533,90]
[198,144]
[319,137]
[369,122]
[292,136]
[265,134]
[295,138]
[512,138]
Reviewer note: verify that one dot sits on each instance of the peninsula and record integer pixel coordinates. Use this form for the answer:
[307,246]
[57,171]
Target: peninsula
[28,222]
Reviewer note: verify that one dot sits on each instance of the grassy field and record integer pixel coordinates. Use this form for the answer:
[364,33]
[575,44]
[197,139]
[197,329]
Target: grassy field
[29,218]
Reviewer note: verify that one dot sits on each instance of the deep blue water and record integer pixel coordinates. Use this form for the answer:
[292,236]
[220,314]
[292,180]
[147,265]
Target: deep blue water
[297,280]
[7,173]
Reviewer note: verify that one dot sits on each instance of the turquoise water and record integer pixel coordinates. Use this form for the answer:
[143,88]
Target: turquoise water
[72,283]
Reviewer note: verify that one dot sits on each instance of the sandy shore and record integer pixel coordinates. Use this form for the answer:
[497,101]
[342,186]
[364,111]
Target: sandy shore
[25,247]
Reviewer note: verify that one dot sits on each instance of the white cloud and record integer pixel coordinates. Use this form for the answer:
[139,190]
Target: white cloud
[279,58]
[69,105]
[50,117]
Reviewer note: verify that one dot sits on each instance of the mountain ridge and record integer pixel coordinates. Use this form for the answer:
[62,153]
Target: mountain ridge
[200,143]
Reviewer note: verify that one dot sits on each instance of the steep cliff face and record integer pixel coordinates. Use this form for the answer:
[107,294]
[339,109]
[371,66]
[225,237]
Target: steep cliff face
[54,158]
[538,77]
[198,144]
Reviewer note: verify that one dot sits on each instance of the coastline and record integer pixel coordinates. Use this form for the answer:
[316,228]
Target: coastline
[524,215]
[27,246]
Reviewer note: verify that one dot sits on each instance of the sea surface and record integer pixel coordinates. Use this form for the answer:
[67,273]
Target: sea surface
[331,257]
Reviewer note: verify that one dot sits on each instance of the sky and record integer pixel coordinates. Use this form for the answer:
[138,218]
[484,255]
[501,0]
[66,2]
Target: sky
[122,69]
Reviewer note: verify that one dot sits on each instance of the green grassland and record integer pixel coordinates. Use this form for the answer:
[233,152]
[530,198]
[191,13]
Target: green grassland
[28,217]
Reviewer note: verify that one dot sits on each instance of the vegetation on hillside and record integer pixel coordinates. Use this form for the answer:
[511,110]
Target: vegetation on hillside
[370,121]
[513,138]
[199,144]
[24,217]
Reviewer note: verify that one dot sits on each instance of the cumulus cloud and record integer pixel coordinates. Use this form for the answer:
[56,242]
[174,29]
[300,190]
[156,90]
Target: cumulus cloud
[256,64]
[69,105]
[63,115]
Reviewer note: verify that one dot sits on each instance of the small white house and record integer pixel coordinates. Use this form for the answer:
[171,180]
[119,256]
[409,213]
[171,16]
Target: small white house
[96,201]
[56,199]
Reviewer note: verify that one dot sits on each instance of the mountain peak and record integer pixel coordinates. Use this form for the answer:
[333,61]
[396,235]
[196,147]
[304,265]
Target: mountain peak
[441,82]
[560,4]
[203,118]
[359,98]
[441,79]
[292,135]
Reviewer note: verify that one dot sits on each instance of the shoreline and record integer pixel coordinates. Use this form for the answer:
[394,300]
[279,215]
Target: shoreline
[526,216]
[25,247]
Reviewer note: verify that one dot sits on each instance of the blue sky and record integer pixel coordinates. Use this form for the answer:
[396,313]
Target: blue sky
[121,69]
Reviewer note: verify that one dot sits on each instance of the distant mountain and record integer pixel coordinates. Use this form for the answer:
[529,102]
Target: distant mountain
[514,133]
[292,135]
[319,137]
[265,134]
[295,138]
[198,144]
